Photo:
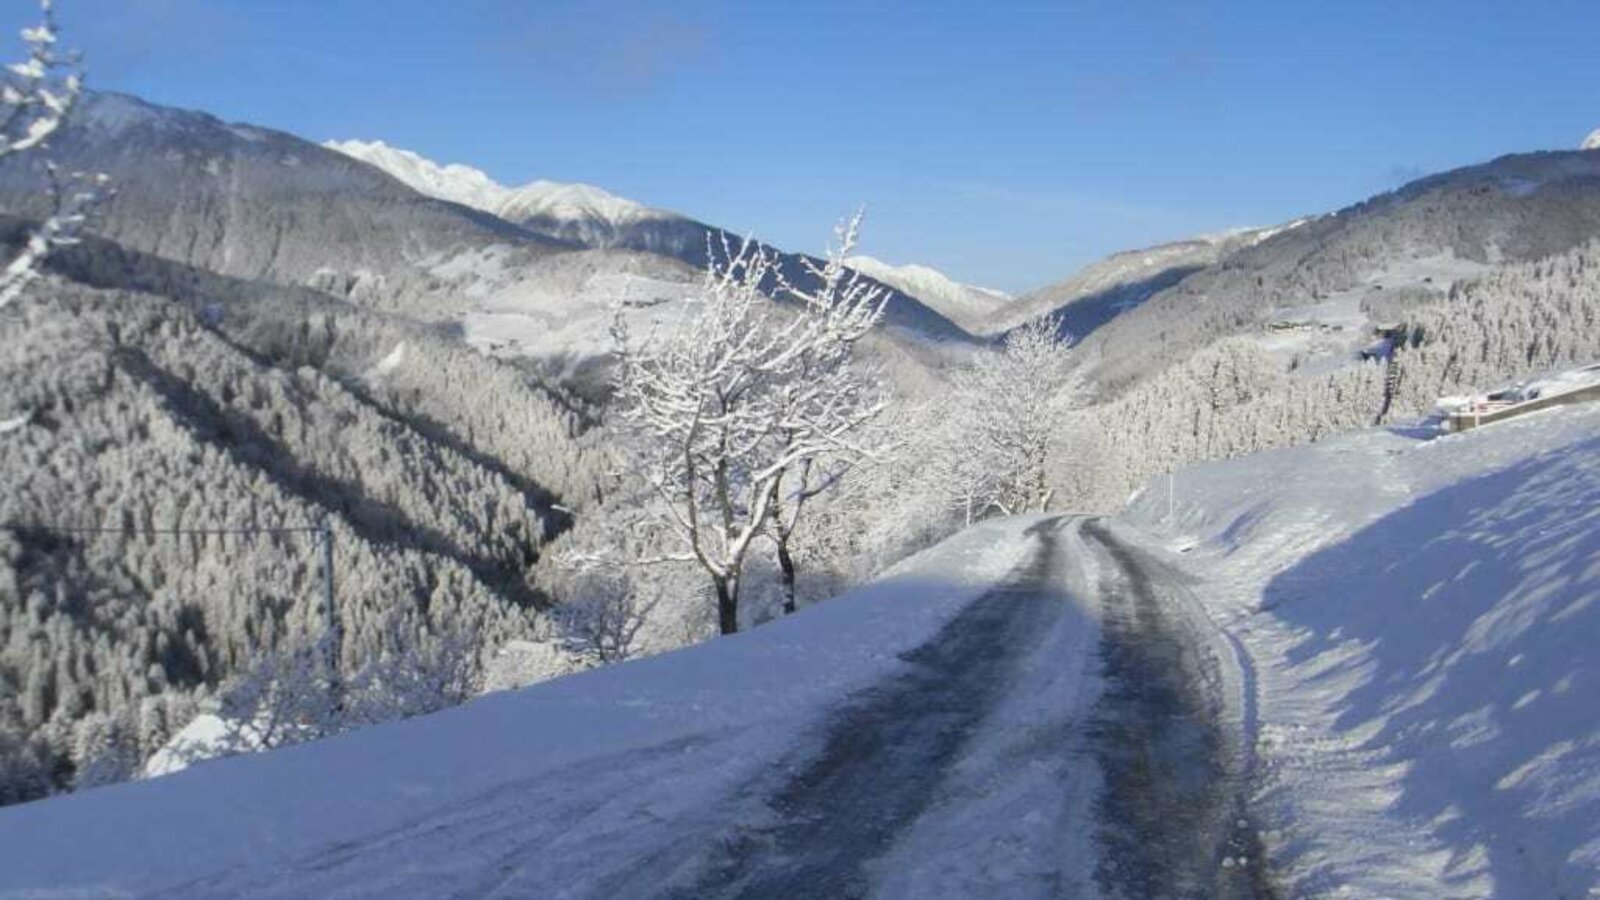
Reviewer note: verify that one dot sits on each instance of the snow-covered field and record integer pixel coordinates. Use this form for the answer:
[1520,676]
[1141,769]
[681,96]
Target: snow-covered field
[532,320]
[1421,613]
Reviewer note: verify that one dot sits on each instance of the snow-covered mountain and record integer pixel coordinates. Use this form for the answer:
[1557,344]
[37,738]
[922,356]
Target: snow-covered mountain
[965,304]
[1108,287]
[264,205]
[472,187]
[1592,142]
[408,236]
[1378,258]
[594,218]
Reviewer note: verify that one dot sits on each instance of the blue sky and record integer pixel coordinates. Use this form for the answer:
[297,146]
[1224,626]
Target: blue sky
[1006,143]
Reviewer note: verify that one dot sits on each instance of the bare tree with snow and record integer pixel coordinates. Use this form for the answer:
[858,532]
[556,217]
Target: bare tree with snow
[717,413]
[602,615]
[993,436]
[36,98]
[830,395]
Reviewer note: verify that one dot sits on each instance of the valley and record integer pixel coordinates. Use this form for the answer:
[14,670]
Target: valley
[379,526]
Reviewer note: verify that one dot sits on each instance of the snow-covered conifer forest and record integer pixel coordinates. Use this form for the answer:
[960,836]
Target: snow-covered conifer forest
[302,437]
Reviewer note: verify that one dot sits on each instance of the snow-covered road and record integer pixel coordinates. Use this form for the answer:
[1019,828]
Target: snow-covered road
[965,769]
[1173,738]
[1021,751]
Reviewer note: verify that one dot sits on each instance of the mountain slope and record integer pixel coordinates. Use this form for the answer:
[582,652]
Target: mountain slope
[1406,246]
[1109,287]
[143,417]
[966,305]
[594,218]
[253,203]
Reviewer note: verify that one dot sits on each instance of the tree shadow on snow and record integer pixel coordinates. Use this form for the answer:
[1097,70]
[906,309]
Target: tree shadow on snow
[1478,608]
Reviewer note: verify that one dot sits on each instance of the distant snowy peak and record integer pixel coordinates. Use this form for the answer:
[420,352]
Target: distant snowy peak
[468,186]
[457,183]
[1592,142]
[963,304]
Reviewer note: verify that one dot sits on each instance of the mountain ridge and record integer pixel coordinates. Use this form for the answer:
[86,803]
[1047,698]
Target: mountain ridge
[965,304]
[473,187]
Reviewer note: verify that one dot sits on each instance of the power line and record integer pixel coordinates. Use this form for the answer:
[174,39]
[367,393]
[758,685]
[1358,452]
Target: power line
[74,529]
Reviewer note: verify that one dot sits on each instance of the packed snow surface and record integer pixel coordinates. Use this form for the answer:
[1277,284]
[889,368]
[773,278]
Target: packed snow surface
[1421,614]
[472,187]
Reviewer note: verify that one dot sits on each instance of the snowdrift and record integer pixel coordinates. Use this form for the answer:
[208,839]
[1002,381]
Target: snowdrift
[1423,616]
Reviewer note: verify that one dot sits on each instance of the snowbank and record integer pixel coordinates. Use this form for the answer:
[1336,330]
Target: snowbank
[1422,615]
[714,711]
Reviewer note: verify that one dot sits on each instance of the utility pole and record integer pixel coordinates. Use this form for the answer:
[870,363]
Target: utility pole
[331,636]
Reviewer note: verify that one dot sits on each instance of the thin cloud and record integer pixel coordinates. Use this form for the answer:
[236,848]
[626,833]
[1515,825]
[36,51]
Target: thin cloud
[614,49]
[1064,203]
[1180,51]
[1402,174]
[133,36]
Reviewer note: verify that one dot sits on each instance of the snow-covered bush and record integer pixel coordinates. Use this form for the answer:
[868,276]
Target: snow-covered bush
[601,614]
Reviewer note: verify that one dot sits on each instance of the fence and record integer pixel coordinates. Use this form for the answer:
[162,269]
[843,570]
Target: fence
[1462,421]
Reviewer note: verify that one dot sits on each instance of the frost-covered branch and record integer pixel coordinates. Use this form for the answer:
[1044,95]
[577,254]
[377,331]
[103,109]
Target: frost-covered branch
[36,98]
[992,447]
[718,412]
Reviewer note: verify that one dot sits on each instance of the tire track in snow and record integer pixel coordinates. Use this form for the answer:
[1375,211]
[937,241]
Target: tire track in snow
[1174,813]
[886,754]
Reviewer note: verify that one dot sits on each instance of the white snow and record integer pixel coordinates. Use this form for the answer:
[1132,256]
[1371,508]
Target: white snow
[472,187]
[571,769]
[572,320]
[389,363]
[207,736]
[1421,615]
[961,303]
[1592,142]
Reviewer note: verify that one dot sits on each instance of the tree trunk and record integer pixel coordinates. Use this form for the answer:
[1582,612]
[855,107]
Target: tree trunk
[786,567]
[727,605]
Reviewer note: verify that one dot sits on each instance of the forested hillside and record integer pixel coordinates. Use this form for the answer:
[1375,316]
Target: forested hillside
[249,407]
[1237,396]
[1422,237]
[1103,290]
